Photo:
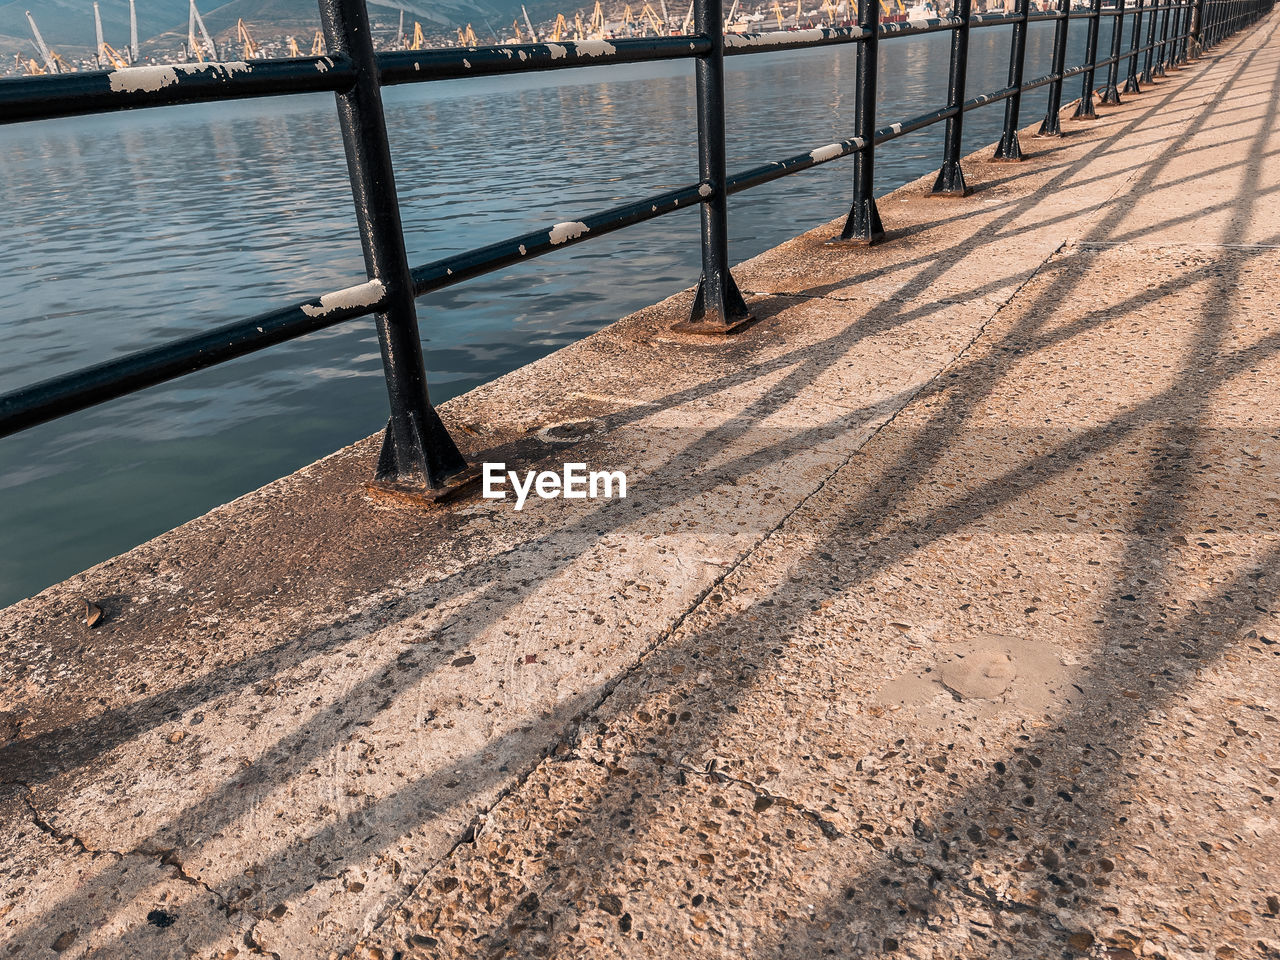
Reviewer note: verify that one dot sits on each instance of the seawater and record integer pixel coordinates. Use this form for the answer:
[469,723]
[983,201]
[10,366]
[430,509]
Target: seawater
[121,231]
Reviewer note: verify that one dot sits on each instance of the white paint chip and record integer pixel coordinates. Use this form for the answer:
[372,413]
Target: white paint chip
[361,295]
[594,48]
[829,152]
[151,79]
[142,79]
[784,37]
[570,230]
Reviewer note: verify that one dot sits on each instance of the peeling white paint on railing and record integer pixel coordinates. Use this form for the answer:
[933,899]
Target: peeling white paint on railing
[829,152]
[361,295]
[569,230]
[594,48]
[788,37]
[151,79]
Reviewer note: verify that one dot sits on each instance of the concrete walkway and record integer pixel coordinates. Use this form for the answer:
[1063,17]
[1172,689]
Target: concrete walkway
[940,620]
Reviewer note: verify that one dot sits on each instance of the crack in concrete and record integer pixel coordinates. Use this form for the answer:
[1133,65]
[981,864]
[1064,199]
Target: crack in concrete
[996,903]
[828,829]
[167,858]
[28,798]
[571,734]
[251,941]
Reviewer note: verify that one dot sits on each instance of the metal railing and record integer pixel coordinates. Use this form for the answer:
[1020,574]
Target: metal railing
[418,455]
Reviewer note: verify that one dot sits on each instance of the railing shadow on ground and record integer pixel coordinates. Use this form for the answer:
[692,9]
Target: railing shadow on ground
[871,905]
[45,751]
[363,703]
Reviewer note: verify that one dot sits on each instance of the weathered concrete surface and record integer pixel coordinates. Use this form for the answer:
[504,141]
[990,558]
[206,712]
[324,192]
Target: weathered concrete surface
[939,620]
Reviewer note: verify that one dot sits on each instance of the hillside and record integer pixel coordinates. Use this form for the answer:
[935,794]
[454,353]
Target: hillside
[67,25]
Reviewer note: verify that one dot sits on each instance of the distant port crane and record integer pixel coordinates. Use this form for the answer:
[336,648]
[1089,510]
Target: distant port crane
[634,18]
[251,49]
[52,62]
[194,49]
[133,33]
[28,66]
[106,54]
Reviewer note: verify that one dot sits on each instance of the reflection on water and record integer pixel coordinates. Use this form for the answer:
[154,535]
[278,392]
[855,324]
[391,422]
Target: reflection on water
[121,231]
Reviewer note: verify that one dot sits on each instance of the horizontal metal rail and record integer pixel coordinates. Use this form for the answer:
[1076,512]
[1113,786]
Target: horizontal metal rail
[355,74]
[103,91]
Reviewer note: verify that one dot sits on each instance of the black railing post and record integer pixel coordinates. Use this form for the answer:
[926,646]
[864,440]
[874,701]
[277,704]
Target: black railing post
[1111,92]
[417,451]
[950,180]
[1197,29]
[1162,57]
[1051,125]
[1151,45]
[1135,40]
[863,223]
[1009,148]
[1184,24]
[1175,34]
[718,307]
[1084,109]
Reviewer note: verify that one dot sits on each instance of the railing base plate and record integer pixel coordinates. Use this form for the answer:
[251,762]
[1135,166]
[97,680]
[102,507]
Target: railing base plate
[405,494]
[732,316]
[841,241]
[706,328]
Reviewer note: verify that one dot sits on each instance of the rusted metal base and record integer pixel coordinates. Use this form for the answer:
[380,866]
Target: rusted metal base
[1085,111]
[430,456]
[1051,126]
[1009,150]
[862,228]
[707,328]
[455,487]
[842,241]
[950,182]
[729,317]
